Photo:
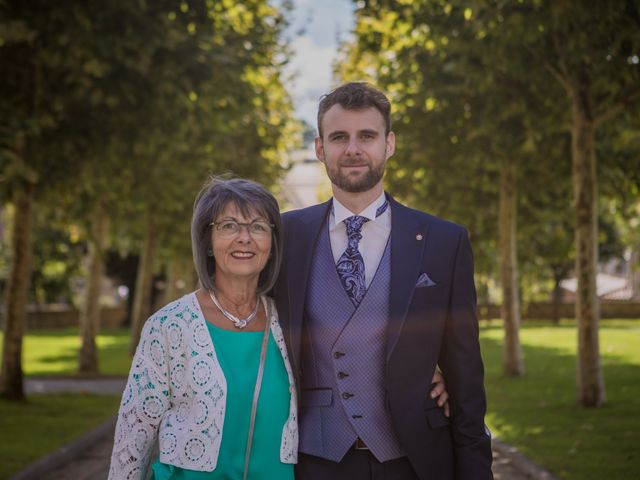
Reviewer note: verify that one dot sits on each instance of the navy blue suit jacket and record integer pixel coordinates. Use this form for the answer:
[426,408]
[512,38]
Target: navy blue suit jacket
[428,326]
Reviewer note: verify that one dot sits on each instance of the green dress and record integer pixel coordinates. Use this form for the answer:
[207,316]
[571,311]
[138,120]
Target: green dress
[239,357]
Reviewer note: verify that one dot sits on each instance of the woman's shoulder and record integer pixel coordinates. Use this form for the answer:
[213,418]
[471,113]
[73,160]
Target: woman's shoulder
[185,308]
[170,324]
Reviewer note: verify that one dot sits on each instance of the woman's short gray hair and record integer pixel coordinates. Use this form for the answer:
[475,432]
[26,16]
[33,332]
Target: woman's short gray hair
[249,198]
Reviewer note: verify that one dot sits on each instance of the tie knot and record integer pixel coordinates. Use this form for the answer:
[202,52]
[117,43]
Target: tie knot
[354,224]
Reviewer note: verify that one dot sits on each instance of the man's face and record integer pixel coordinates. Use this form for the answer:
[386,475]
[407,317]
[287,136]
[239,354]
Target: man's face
[354,148]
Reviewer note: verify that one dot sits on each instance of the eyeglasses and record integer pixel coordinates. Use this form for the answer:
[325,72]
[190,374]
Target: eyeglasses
[231,228]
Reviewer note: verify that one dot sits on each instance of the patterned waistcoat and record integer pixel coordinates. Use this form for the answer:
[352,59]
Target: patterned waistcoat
[343,363]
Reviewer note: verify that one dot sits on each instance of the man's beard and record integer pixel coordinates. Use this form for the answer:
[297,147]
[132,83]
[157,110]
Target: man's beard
[359,184]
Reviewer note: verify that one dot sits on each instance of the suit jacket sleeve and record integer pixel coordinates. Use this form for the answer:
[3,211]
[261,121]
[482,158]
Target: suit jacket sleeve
[462,367]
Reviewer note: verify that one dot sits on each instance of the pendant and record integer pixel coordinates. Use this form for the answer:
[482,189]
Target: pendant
[237,322]
[240,323]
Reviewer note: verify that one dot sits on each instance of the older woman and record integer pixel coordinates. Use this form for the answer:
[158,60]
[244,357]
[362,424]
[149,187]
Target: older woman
[211,379]
[208,362]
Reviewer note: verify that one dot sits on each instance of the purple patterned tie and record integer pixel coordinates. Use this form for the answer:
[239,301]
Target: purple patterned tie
[350,265]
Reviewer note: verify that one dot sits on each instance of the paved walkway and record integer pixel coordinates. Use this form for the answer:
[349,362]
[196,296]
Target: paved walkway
[106,385]
[88,459]
[92,464]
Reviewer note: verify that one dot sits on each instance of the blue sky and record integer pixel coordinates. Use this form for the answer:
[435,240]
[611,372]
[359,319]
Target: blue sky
[325,22]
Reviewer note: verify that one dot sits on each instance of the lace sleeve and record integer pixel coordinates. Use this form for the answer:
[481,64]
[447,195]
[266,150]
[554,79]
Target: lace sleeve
[144,401]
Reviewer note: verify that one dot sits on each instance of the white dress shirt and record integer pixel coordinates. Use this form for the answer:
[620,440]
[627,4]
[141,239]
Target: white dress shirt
[375,234]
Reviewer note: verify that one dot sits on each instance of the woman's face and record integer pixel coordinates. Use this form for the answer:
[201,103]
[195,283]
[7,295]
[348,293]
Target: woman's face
[243,252]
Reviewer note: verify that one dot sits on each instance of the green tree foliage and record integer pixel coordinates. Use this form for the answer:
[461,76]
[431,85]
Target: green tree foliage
[233,118]
[56,260]
[118,111]
[481,83]
[592,53]
[40,78]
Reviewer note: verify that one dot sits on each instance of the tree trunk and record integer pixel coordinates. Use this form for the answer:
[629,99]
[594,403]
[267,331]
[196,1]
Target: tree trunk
[142,296]
[556,294]
[634,273]
[590,383]
[90,312]
[512,354]
[11,384]
[179,278]
[2,225]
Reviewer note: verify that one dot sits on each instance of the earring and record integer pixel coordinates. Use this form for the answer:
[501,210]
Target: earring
[210,252]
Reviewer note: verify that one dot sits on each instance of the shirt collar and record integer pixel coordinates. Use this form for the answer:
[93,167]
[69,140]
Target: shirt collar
[340,212]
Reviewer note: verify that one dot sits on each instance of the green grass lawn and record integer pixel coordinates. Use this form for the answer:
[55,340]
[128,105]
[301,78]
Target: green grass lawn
[55,352]
[538,414]
[45,423]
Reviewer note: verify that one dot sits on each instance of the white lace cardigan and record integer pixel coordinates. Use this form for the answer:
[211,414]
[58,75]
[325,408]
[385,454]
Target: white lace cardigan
[176,392]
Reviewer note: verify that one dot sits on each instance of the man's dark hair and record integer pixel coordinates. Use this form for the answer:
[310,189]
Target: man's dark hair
[356,96]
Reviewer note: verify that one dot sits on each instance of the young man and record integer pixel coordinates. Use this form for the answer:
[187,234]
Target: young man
[372,296]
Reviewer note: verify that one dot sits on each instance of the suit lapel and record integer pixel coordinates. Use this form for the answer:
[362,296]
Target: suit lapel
[300,249]
[408,238]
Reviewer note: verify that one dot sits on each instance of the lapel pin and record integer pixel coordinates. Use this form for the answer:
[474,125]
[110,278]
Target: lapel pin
[418,237]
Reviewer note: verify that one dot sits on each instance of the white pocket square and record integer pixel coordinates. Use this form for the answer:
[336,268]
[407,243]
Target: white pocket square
[425,281]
